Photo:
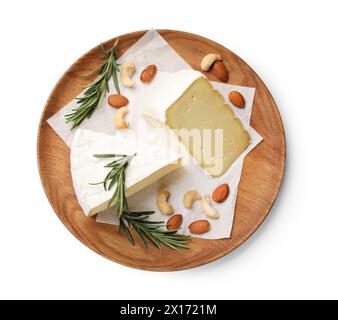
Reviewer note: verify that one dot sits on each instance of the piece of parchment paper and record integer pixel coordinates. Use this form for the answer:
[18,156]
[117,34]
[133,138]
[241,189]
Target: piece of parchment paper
[153,49]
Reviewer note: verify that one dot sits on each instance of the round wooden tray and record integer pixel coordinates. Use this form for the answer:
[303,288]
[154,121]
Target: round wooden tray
[261,178]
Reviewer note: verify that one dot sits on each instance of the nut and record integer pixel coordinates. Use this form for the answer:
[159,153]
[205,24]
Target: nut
[174,222]
[190,197]
[162,203]
[208,209]
[199,226]
[220,71]
[117,101]
[127,71]
[209,60]
[220,193]
[119,121]
[237,99]
[148,73]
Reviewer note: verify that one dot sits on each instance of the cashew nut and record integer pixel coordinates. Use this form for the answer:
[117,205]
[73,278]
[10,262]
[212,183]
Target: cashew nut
[190,197]
[127,71]
[208,209]
[162,203]
[209,60]
[119,121]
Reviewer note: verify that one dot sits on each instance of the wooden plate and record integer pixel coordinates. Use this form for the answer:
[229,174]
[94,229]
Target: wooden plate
[261,178]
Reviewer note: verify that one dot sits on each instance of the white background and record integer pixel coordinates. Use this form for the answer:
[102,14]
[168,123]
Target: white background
[291,44]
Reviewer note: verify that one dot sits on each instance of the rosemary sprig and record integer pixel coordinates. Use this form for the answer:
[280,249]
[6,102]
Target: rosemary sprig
[96,91]
[116,175]
[154,231]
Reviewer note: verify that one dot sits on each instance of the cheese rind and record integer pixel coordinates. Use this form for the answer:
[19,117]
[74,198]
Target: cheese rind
[150,163]
[208,127]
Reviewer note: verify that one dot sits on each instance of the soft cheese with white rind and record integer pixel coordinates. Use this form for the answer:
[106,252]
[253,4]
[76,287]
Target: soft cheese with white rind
[164,90]
[150,163]
[187,100]
[153,101]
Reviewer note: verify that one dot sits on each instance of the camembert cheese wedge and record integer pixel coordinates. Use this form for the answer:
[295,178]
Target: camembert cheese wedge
[151,162]
[207,127]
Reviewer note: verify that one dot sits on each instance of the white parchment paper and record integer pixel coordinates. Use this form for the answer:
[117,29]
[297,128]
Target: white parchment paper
[153,49]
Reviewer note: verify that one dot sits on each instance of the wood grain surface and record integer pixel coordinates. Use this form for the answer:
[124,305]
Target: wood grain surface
[261,178]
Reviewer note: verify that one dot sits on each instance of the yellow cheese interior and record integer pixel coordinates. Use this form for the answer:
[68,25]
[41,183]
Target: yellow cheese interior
[202,110]
[140,185]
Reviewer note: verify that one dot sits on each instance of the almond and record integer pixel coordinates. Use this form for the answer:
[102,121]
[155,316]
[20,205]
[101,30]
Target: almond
[220,193]
[174,222]
[148,73]
[199,226]
[117,101]
[237,99]
[220,71]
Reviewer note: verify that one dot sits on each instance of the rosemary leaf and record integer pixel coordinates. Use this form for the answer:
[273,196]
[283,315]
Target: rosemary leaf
[126,231]
[96,91]
[103,156]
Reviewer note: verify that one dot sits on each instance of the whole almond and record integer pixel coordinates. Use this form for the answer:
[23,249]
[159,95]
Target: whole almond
[117,101]
[199,226]
[174,222]
[148,73]
[237,99]
[220,71]
[220,193]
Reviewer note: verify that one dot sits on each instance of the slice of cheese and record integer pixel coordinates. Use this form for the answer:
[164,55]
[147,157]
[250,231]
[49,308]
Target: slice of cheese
[151,162]
[208,127]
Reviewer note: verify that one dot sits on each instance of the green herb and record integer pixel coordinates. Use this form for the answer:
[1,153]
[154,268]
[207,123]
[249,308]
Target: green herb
[116,176]
[96,91]
[154,231]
